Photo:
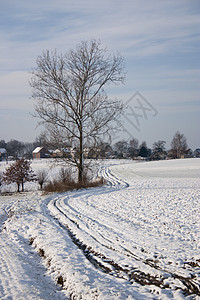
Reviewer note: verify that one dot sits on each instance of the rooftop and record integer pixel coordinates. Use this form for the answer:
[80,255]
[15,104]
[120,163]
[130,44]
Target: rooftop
[37,149]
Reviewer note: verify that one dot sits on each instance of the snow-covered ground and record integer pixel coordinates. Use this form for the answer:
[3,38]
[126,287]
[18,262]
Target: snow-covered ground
[135,238]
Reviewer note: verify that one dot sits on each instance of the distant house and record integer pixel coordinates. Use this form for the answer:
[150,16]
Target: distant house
[188,154]
[3,153]
[58,153]
[197,152]
[40,152]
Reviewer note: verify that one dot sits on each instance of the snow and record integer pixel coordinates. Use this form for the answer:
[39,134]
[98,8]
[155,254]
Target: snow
[135,238]
[37,149]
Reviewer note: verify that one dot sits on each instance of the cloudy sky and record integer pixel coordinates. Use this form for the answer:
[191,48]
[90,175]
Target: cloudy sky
[159,39]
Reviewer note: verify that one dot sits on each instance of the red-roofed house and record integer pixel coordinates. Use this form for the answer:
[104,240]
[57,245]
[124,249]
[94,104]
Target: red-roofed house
[40,152]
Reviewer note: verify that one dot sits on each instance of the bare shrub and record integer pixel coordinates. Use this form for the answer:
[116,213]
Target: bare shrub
[65,182]
[65,175]
[41,177]
[95,183]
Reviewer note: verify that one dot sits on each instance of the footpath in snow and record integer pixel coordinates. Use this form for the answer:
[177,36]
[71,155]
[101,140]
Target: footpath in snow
[22,273]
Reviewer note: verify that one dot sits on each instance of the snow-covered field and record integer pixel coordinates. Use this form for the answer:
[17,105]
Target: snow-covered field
[135,238]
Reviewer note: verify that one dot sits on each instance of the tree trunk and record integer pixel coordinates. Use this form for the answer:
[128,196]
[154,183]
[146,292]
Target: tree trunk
[80,167]
[18,187]
[22,186]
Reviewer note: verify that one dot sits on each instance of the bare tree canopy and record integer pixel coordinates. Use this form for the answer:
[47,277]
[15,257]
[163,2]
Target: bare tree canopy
[159,146]
[134,143]
[179,144]
[70,97]
[158,151]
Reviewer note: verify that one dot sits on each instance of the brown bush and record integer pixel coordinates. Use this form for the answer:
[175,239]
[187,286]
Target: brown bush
[67,183]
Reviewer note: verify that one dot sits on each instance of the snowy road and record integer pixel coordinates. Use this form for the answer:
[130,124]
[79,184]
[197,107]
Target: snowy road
[136,238]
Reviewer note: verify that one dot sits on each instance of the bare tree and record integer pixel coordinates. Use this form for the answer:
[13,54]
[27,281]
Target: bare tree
[134,143]
[178,144]
[70,97]
[19,172]
[133,147]
[159,151]
[15,148]
[121,148]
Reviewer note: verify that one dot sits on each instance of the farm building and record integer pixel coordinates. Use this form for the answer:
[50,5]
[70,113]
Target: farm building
[40,152]
[197,152]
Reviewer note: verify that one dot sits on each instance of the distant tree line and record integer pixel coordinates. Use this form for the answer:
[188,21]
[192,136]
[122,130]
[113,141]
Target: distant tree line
[18,149]
[20,171]
[121,149]
[132,149]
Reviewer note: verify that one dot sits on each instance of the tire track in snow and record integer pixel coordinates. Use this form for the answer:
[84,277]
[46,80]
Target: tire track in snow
[22,275]
[111,179]
[99,260]
[15,282]
[107,265]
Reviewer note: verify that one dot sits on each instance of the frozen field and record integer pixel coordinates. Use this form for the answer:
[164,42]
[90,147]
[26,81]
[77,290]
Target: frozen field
[138,237]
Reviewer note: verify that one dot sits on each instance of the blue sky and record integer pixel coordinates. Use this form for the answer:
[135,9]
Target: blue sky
[159,39]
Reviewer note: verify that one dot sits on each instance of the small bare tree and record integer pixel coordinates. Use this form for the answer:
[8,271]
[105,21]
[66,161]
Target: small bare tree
[41,177]
[121,148]
[134,143]
[178,145]
[19,172]
[70,97]
[158,151]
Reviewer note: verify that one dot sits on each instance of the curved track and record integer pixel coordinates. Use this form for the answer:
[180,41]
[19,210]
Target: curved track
[106,237]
